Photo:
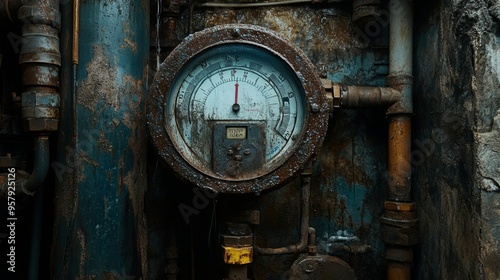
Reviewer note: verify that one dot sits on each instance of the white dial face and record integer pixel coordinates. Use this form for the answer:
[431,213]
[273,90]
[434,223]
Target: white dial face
[240,84]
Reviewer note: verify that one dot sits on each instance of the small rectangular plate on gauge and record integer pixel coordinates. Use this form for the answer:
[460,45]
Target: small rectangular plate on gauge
[236,132]
[238,148]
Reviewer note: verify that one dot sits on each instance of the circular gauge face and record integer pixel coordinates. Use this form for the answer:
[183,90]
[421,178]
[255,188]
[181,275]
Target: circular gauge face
[237,109]
[235,94]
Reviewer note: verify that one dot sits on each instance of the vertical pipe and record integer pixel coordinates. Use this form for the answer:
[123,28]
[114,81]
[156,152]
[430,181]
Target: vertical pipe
[401,37]
[399,166]
[100,226]
[36,236]
[399,226]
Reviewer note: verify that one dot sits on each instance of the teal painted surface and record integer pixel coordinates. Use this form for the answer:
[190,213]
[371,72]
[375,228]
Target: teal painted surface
[99,210]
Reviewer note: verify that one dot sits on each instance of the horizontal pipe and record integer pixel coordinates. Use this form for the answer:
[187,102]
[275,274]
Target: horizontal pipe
[40,169]
[304,225]
[355,97]
[251,5]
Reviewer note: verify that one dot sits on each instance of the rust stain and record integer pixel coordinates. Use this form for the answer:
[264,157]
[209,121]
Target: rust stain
[327,29]
[129,44]
[104,143]
[83,253]
[100,84]
[136,179]
[88,160]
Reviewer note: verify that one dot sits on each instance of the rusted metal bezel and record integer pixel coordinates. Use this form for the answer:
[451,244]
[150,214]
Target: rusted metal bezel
[316,109]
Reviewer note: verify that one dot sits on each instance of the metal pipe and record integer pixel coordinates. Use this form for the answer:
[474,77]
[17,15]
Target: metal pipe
[304,223]
[76,30]
[252,5]
[399,229]
[399,167]
[110,80]
[354,97]
[40,169]
[40,59]
[359,97]
[401,37]
[36,236]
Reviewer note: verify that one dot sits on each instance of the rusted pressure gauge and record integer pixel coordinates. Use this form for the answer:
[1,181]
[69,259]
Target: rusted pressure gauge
[237,109]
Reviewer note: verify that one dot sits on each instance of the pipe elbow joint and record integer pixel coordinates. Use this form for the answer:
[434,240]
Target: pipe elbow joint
[41,168]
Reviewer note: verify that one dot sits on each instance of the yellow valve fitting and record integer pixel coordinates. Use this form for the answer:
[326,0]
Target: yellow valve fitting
[242,255]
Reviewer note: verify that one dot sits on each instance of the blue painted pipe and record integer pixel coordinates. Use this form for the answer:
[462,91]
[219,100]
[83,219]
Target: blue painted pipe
[100,230]
[401,37]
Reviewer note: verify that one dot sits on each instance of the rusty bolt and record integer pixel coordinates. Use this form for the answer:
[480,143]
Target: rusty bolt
[314,107]
[236,32]
[311,250]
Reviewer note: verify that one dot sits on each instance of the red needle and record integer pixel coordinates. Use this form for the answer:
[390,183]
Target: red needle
[236,93]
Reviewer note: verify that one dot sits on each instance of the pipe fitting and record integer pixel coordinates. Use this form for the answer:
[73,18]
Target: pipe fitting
[364,97]
[365,11]
[404,85]
[40,60]
[40,14]
[358,97]
[400,224]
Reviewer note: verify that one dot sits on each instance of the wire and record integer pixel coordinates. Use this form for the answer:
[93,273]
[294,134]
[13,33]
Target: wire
[251,5]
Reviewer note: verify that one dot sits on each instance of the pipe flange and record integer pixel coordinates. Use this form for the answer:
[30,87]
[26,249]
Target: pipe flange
[40,15]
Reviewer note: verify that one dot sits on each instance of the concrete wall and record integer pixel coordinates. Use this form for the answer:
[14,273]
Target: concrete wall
[456,132]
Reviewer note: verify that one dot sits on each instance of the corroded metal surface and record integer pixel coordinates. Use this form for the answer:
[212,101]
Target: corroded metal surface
[320,267]
[99,221]
[399,161]
[40,59]
[316,110]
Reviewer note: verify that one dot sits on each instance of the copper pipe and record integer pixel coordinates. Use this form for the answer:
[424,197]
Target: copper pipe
[398,270]
[354,97]
[76,30]
[399,167]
